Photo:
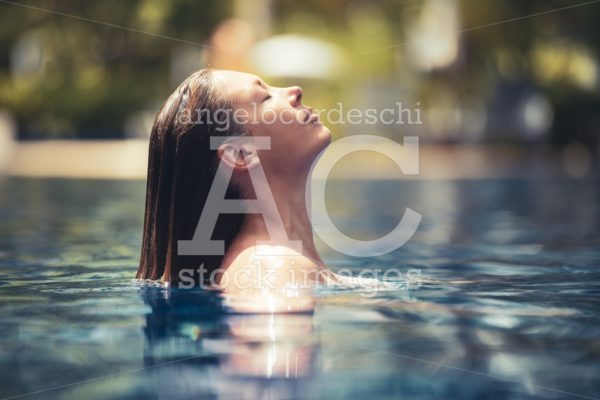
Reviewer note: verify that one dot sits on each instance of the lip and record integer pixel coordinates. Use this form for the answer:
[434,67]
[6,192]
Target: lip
[311,117]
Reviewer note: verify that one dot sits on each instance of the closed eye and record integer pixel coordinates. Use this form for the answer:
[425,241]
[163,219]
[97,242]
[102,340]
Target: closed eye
[266,98]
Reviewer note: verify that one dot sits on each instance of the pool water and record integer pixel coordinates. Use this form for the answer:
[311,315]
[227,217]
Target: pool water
[507,303]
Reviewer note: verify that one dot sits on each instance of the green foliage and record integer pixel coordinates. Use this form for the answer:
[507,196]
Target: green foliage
[64,75]
[91,76]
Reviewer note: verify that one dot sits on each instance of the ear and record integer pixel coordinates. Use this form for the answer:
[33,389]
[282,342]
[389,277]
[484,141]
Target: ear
[238,157]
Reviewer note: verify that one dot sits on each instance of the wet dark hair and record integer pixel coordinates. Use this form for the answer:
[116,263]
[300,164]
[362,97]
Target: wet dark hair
[181,169]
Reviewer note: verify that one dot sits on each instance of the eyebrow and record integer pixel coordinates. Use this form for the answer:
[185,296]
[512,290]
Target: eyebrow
[260,83]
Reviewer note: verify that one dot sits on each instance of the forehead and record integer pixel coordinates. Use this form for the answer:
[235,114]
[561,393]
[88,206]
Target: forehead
[238,87]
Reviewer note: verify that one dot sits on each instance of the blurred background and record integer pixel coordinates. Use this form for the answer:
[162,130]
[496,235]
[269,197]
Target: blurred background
[509,242]
[504,88]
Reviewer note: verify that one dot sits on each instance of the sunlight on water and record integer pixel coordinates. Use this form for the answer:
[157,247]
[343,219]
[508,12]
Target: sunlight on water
[505,304]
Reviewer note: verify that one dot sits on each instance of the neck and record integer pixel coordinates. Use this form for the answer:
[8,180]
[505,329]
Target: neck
[291,210]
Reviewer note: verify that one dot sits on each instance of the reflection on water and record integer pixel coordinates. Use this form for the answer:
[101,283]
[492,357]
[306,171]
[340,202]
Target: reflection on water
[197,345]
[508,306]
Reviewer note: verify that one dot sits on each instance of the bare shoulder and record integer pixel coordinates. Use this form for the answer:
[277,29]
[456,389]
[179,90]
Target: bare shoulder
[259,279]
[272,267]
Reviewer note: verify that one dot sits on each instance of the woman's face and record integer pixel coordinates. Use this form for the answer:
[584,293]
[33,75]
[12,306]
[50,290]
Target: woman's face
[297,135]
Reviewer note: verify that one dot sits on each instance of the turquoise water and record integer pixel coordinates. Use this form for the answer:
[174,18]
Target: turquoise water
[508,303]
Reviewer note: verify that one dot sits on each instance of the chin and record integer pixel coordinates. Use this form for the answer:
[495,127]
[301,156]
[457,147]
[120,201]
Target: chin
[324,135]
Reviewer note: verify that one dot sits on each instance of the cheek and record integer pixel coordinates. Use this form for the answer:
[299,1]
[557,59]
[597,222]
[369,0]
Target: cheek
[267,118]
[292,141]
[280,123]
[289,118]
[279,118]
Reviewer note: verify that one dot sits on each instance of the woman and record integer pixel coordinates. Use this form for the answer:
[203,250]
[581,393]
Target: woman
[183,168]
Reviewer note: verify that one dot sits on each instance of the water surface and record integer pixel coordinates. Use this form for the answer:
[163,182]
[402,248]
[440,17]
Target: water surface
[508,304]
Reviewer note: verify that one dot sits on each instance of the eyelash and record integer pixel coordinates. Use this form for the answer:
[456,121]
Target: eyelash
[266,98]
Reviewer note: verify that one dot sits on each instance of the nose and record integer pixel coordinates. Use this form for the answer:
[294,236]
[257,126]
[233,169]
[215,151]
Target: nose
[295,95]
